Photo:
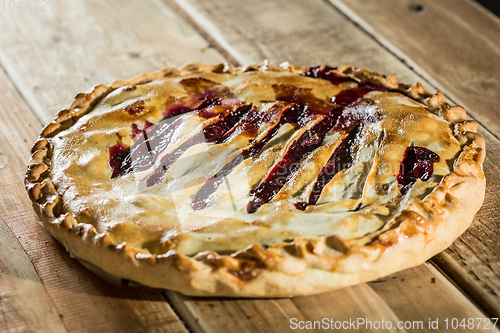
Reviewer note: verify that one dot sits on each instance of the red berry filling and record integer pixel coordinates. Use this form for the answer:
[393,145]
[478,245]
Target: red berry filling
[417,163]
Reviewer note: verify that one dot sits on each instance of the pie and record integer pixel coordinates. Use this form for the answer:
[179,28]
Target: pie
[262,181]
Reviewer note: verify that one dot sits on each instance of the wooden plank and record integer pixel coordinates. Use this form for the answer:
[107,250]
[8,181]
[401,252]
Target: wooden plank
[455,44]
[50,57]
[53,55]
[303,32]
[473,260]
[402,297]
[24,304]
[300,18]
[81,299]
[467,70]
[314,32]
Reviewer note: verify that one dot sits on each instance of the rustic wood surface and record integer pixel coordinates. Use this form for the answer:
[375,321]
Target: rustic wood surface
[53,55]
[313,22]
[406,296]
[68,295]
[455,44]
[25,304]
[47,57]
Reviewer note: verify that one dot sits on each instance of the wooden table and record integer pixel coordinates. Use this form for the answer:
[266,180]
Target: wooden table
[47,57]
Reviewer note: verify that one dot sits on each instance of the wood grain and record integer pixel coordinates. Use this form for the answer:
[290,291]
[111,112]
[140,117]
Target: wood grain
[473,260]
[82,300]
[467,70]
[314,32]
[51,56]
[407,297]
[308,33]
[455,44]
[24,304]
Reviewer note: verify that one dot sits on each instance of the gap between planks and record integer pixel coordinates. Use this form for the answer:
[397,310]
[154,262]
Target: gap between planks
[403,296]
[200,12]
[111,307]
[220,46]
[489,122]
[103,306]
[447,261]
[24,302]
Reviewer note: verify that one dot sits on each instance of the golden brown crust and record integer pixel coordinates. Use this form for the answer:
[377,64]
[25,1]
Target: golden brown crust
[304,266]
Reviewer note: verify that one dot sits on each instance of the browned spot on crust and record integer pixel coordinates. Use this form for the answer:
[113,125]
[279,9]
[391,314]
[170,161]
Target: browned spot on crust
[135,109]
[382,189]
[409,224]
[197,85]
[302,96]
[247,270]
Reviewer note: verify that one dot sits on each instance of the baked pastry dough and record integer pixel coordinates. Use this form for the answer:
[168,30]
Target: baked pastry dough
[268,181]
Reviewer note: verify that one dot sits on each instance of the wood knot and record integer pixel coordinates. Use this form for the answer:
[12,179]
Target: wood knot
[416,8]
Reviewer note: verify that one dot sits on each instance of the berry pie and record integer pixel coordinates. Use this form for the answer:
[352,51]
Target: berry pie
[260,181]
